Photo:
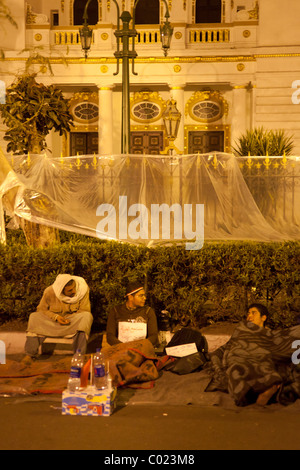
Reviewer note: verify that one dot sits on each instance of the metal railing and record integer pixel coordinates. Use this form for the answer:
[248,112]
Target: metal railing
[274,182]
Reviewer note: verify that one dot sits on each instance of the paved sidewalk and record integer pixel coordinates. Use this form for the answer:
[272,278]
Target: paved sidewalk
[36,422]
[216,336]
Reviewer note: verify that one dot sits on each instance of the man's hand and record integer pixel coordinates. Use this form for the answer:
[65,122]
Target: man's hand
[62,321]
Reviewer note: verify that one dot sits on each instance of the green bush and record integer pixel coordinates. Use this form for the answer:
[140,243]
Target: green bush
[216,283]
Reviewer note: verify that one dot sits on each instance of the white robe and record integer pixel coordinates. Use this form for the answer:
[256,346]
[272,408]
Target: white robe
[76,309]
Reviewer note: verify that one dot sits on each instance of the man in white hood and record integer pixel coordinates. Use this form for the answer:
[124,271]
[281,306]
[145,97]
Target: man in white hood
[64,310]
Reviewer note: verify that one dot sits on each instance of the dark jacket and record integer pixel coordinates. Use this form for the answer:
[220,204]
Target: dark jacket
[121,313]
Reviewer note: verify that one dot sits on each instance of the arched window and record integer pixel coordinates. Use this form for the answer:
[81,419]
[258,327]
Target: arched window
[78,10]
[208,11]
[147,12]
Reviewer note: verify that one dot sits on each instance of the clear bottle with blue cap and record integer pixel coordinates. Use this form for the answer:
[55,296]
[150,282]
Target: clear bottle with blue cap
[100,371]
[77,363]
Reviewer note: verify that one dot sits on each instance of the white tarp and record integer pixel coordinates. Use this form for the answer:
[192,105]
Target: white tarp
[149,199]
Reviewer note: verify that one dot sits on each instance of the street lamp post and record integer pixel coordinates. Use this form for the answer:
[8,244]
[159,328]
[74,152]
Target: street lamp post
[86,33]
[123,34]
[126,54]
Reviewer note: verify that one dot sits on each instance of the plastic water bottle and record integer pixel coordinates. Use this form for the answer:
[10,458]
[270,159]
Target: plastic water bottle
[100,376]
[75,372]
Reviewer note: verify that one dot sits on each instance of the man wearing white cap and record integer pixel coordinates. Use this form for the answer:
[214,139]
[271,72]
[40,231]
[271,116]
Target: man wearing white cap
[132,320]
[64,310]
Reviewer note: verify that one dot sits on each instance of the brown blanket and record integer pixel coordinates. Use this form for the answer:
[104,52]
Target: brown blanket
[131,365]
[18,378]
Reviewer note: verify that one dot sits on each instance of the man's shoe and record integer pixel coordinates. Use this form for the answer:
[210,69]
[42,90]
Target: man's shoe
[28,360]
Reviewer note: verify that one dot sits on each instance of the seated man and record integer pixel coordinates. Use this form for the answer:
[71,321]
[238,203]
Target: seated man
[256,362]
[64,310]
[132,320]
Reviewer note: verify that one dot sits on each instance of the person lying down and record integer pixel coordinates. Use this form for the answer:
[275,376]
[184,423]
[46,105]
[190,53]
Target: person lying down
[257,365]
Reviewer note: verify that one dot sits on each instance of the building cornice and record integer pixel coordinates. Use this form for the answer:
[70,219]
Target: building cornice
[147,60]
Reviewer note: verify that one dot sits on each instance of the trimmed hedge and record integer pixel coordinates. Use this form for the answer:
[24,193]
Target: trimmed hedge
[216,283]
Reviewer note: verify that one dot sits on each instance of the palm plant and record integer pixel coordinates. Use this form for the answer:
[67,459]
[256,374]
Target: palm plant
[265,181]
[262,142]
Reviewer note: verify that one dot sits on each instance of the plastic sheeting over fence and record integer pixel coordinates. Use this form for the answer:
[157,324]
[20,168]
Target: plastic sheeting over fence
[153,199]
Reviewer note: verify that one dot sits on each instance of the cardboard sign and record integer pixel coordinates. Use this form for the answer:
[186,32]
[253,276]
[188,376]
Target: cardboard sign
[182,350]
[132,331]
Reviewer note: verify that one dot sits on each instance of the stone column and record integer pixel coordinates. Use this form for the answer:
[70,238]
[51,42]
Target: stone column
[105,121]
[253,105]
[177,93]
[239,121]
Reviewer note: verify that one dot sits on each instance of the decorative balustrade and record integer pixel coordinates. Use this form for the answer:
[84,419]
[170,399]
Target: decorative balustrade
[103,37]
[71,38]
[148,37]
[145,36]
[68,38]
[200,36]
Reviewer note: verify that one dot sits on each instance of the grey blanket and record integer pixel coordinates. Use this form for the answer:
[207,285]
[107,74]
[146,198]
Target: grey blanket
[253,360]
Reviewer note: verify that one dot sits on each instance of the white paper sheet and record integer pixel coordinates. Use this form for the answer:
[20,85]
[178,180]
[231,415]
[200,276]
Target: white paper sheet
[132,331]
[182,350]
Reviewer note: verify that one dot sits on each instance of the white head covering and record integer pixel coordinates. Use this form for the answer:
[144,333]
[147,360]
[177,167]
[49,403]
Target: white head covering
[61,281]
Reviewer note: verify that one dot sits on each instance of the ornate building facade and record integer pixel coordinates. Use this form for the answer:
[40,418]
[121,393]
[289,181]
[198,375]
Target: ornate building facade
[233,65]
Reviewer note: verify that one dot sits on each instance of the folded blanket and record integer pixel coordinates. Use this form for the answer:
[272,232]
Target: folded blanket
[132,364]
